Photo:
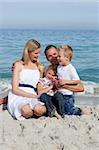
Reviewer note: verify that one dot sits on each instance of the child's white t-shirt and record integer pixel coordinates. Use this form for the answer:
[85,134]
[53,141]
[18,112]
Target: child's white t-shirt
[67,73]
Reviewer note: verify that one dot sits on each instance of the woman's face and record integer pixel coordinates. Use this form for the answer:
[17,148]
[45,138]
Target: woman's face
[34,55]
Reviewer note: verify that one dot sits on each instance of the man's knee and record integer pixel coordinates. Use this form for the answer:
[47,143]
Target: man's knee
[26,111]
[39,110]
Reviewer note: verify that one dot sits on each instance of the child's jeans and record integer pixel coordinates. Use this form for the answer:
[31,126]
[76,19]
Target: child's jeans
[66,104]
[47,99]
[59,102]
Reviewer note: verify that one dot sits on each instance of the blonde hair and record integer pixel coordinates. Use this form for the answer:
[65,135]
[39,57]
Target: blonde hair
[67,50]
[30,46]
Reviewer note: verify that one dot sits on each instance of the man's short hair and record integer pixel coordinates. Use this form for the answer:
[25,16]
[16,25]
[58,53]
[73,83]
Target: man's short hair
[48,47]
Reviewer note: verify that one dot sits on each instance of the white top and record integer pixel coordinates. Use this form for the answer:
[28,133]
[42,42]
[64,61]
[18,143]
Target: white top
[67,73]
[29,76]
[15,102]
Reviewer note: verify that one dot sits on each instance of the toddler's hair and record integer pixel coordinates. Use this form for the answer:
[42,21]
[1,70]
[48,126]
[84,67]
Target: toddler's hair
[51,67]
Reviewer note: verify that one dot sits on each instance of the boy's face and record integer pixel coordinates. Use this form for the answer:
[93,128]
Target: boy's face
[63,58]
[50,74]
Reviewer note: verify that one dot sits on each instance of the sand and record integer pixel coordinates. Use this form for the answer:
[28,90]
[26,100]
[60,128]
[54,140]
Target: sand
[44,133]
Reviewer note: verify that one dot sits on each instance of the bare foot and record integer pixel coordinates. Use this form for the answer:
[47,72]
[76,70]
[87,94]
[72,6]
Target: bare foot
[57,115]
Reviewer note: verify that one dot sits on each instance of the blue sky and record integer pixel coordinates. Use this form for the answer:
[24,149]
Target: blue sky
[38,14]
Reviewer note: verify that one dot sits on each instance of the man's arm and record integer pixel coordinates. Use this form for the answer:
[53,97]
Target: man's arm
[74,88]
[13,64]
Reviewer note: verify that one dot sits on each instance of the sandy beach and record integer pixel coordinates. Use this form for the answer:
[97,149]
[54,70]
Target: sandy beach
[70,133]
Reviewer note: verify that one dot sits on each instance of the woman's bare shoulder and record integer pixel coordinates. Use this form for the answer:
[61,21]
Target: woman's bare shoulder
[18,64]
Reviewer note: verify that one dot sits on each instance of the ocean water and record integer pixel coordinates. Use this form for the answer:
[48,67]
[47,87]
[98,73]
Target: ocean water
[85,45]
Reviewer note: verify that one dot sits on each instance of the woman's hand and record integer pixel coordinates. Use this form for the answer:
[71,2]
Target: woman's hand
[36,96]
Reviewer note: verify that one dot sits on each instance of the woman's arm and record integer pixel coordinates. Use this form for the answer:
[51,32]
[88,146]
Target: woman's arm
[42,90]
[15,82]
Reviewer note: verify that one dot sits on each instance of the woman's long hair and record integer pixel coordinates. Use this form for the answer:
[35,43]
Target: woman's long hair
[30,46]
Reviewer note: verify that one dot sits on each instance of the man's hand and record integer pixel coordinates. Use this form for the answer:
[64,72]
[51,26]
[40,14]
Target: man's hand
[13,64]
[61,82]
[57,84]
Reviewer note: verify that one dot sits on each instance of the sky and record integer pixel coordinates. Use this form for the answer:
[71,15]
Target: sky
[49,14]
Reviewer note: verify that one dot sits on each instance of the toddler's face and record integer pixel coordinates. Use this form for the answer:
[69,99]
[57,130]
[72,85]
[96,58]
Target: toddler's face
[50,74]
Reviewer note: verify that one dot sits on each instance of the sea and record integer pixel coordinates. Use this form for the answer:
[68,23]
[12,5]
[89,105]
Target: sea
[85,44]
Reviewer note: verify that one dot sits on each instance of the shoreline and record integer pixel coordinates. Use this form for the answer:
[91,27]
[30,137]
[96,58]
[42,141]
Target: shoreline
[80,98]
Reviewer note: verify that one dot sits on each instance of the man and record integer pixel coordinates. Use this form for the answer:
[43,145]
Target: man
[51,54]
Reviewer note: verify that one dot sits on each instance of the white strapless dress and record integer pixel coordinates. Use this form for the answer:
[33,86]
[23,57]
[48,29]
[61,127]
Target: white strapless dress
[15,102]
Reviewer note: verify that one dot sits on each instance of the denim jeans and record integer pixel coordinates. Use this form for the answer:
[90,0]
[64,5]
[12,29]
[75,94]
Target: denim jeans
[65,104]
[59,102]
[47,99]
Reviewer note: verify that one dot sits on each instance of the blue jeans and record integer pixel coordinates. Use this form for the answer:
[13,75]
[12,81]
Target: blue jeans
[65,104]
[59,102]
[47,99]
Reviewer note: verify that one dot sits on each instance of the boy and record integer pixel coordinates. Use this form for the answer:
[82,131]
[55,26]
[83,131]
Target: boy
[67,75]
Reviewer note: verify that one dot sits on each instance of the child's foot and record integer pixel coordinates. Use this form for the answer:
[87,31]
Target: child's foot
[57,115]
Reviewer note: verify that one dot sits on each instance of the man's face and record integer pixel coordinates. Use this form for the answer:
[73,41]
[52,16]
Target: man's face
[52,55]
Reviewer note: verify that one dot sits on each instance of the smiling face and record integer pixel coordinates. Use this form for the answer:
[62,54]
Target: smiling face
[50,74]
[52,55]
[34,55]
[63,59]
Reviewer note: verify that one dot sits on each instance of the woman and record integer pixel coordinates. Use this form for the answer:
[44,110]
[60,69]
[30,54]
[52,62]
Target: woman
[23,100]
